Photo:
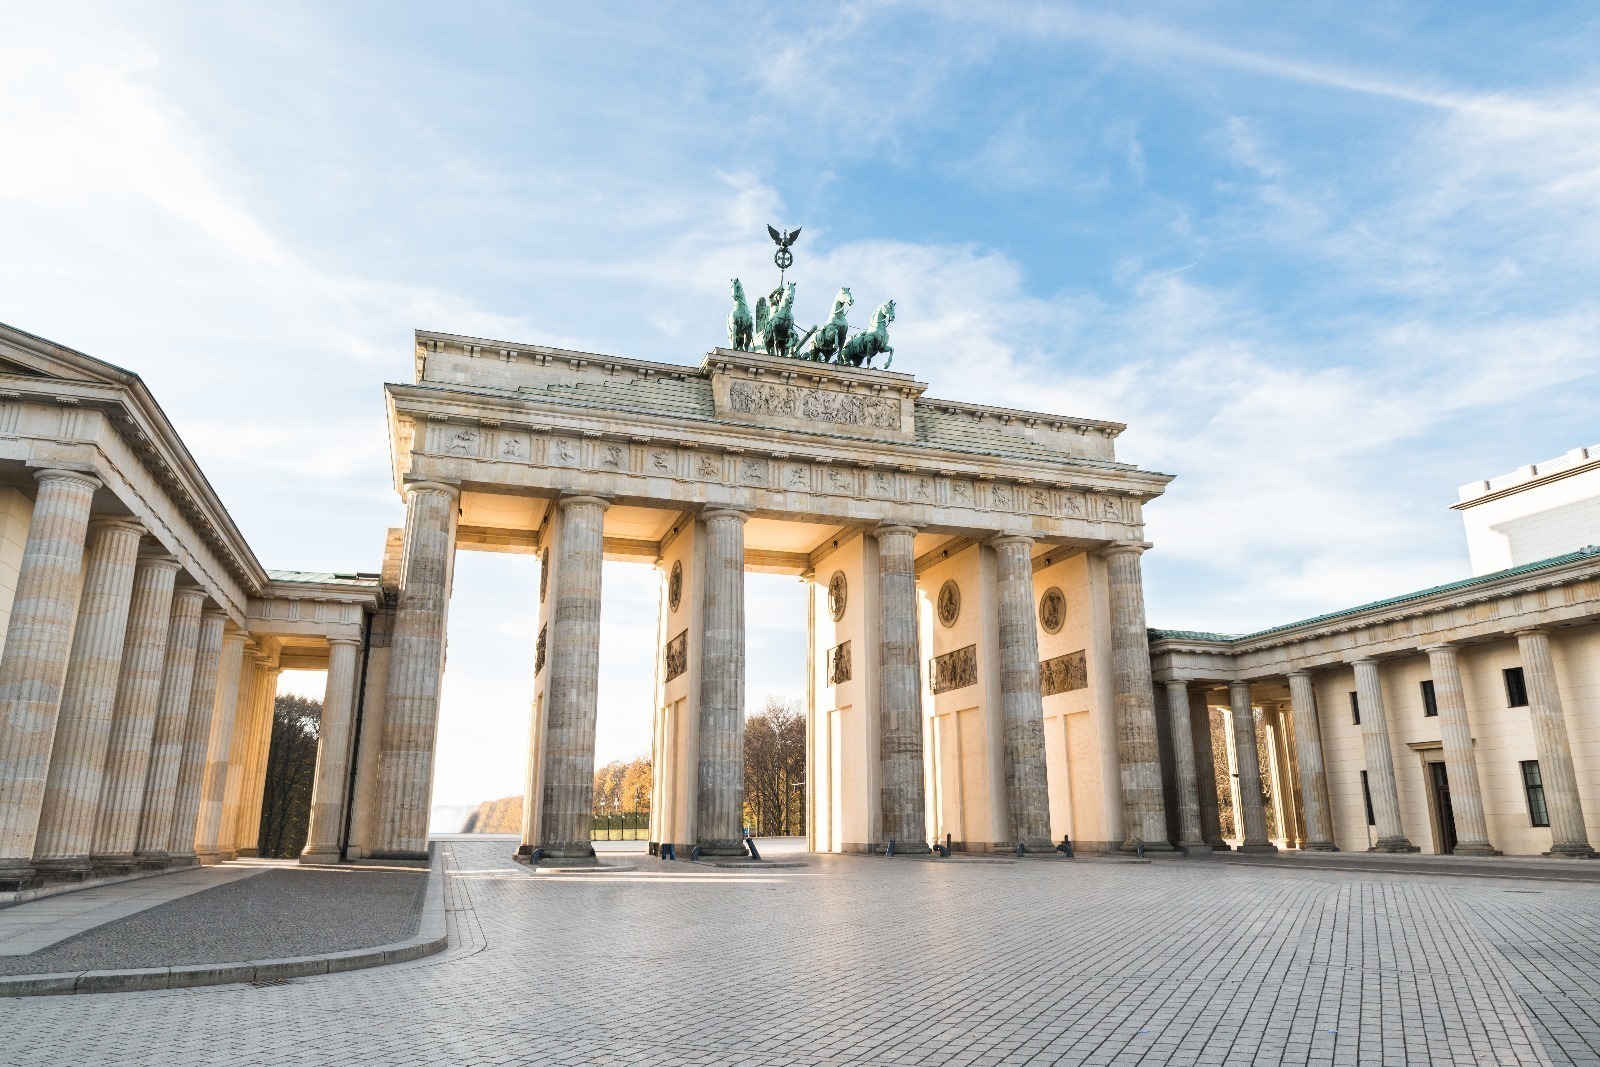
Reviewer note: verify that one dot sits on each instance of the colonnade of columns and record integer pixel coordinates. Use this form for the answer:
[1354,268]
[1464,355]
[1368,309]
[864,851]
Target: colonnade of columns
[1305,813]
[136,725]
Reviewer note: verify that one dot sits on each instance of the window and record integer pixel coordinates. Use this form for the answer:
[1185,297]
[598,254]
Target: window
[1533,784]
[1366,795]
[1430,706]
[1516,688]
[1355,709]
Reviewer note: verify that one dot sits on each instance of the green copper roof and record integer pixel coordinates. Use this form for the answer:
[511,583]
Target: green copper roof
[1587,552]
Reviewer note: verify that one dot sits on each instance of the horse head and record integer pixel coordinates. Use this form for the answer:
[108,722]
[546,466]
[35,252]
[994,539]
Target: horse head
[843,300]
[886,312]
[738,289]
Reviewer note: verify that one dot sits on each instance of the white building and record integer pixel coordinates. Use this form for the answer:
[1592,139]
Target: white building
[1535,512]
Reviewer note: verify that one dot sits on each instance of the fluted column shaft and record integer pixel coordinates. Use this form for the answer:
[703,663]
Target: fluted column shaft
[219,747]
[144,654]
[1381,780]
[900,693]
[1021,706]
[197,729]
[720,812]
[32,670]
[1138,751]
[244,707]
[1252,807]
[253,791]
[1205,770]
[333,752]
[1284,791]
[416,668]
[88,701]
[573,659]
[1568,836]
[1189,832]
[1461,764]
[171,720]
[1313,772]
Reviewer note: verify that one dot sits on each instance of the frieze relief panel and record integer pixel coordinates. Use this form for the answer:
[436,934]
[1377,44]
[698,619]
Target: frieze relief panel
[839,663]
[953,670]
[677,655]
[1063,674]
[813,405]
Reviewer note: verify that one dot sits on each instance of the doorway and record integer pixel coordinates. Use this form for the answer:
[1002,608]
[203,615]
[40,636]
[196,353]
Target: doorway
[1444,817]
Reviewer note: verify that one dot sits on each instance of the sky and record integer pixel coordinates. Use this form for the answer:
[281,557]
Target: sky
[1328,262]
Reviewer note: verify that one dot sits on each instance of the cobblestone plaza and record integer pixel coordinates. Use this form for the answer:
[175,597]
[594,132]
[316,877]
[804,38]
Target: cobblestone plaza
[864,960]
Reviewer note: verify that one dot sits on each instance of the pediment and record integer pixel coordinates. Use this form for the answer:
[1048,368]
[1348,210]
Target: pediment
[24,355]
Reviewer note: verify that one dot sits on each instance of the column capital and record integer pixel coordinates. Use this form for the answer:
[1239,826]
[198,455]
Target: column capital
[1361,661]
[892,528]
[161,562]
[190,592]
[1177,683]
[582,500]
[736,514]
[57,474]
[353,642]
[1010,539]
[1529,631]
[117,522]
[1120,548]
[428,486]
[1302,672]
[1438,646]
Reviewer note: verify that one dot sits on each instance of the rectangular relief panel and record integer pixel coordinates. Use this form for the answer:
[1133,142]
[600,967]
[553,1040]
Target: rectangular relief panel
[954,670]
[677,655]
[1064,674]
[839,663]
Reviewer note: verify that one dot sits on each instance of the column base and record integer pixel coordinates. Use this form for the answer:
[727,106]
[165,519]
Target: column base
[1394,844]
[1262,848]
[152,861]
[115,868]
[906,848]
[567,852]
[17,879]
[1132,845]
[1476,850]
[1320,846]
[182,859]
[1580,851]
[398,856]
[76,869]
[319,856]
[245,853]
[207,858]
[1193,848]
[1220,846]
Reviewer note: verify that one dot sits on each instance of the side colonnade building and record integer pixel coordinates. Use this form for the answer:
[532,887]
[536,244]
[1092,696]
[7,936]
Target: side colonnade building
[142,640]
[1462,719]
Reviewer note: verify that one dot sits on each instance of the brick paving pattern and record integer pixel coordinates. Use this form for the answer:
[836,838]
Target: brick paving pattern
[872,961]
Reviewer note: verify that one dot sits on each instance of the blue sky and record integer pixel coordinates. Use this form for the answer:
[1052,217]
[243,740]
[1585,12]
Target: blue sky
[1327,262]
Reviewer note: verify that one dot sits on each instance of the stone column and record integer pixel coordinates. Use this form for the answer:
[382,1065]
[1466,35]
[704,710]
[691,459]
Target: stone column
[900,694]
[219,747]
[572,656]
[1205,771]
[1138,752]
[1189,833]
[416,666]
[197,729]
[253,791]
[88,702]
[144,655]
[720,818]
[1313,775]
[333,752]
[1381,780]
[1021,705]
[1455,730]
[172,714]
[1252,806]
[1285,791]
[1568,836]
[244,705]
[38,641]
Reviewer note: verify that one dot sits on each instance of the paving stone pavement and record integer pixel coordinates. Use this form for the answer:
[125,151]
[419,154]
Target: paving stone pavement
[855,960]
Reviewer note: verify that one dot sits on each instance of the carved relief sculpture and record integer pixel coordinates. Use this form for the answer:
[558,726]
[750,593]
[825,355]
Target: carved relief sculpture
[1064,674]
[949,603]
[954,670]
[1052,610]
[839,663]
[677,655]
[838,592]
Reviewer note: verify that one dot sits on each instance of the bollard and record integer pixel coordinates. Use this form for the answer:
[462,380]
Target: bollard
[1141,847]
[750,844]
[1022,850]
[1065,848]
[536,855]
[890,850]
[694,853]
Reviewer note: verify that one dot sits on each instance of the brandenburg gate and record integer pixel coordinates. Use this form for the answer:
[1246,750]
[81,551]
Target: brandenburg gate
[978,668]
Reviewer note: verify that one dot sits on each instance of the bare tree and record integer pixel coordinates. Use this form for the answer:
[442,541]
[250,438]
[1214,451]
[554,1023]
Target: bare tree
[291,771]
[775,770]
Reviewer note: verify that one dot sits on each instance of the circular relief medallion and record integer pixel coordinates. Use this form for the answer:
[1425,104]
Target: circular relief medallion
[949,603]
[675,585]
[837,594]
[1052,610]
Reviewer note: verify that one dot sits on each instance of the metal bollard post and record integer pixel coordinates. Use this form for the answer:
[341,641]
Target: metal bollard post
[890,850]
[1065,848]
[694,853]
[1141,848]
[1022,850]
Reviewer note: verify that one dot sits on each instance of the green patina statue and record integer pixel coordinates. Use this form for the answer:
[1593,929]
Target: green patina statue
[859,350]
[741,327]
[771,329]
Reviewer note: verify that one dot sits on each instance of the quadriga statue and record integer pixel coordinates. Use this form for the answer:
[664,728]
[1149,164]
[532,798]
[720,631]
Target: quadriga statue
[741,327]
[860,349]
